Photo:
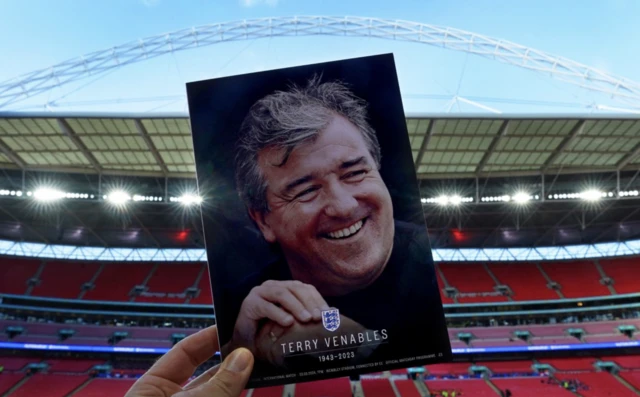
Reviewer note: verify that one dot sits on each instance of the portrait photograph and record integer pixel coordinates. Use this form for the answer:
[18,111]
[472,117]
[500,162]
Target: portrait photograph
[316,241]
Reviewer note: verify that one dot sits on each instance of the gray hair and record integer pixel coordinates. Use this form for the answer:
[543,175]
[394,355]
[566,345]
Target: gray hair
[286,119]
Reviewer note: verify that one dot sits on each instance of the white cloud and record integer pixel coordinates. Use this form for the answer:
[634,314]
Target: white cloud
[254,3]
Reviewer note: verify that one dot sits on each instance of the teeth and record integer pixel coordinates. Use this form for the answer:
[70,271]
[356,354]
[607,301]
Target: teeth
[346,232]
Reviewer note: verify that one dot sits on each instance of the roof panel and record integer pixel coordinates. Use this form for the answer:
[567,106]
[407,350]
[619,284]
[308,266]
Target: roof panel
[4,159]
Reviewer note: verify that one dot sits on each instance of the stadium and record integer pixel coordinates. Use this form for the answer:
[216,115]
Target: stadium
[534,222]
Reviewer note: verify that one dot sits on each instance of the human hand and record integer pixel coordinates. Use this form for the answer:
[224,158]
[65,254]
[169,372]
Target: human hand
[283,302]
[172,370]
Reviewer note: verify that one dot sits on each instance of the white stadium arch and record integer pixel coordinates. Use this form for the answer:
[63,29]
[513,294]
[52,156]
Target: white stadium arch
[39,81]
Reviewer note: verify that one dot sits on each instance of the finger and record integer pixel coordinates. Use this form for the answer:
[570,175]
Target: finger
[179,363]
[289,301]
[203,378]
[311,298]
[230,380]
[266,309]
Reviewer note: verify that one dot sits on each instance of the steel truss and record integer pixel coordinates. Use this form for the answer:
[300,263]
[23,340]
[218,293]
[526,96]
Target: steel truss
[95,63]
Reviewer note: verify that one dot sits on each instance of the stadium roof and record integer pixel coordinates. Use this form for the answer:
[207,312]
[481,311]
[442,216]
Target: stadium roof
[444,146]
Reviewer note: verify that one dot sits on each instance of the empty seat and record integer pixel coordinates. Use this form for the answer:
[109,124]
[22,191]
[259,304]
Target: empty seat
[72,365]
[531,387]
[204,285]
[525,281]
[118,279]
[462,387]
[598,384]
[448,369]
[577,278]
[15,273]
[470,278]
[406,388]
[625,273]
[170,280]
[377,387]
[105,388]
[64,279]
[47,385]
[339,387]
[570,364]
[8,380]
[502,367]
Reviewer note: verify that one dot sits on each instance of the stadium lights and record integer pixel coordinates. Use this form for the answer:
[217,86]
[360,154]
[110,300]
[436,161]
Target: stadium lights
[137,197]
[117,197]
[592,195]
[187,199]
[5,192]
[454,200]
[522,197]
[628,193]
[47,195]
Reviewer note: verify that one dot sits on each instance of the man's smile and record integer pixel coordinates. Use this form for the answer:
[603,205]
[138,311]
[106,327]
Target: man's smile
[346,232]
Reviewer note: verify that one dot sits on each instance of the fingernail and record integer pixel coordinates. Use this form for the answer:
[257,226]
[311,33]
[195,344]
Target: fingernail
[288,319]
[305,315]
[238,361]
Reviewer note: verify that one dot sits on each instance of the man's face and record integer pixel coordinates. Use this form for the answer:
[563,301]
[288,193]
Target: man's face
[330,211]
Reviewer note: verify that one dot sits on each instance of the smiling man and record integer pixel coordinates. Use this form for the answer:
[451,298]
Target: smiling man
[307,169]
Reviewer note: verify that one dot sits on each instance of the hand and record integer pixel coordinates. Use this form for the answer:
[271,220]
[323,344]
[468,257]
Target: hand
[166,376]
[282,302]
[272,335]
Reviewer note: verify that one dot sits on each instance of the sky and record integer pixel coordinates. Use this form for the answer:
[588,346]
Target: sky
[37,34]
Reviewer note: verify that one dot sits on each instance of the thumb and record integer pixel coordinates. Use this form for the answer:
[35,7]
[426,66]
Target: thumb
[232,376]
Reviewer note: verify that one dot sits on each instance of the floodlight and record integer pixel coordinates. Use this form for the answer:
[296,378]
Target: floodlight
[118,197]
[423,200]
[455,200]
[521,197]
[47,194]
[190,199]
[442,200]
[592,195]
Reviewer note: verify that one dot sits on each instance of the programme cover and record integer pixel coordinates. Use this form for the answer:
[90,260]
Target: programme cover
[316,241]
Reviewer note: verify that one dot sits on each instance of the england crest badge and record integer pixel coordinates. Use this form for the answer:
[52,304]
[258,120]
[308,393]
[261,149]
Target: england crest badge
[331,319]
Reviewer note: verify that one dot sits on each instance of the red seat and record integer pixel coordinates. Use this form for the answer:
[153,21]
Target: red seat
[463,387]
[8,380]
[599,384]
[377,387]
[171,279]
[118,279]
[204,285]
[14,274]
[531,387]
[624,272]
[64,279]
[470,278]
[43,385]
[338,387]
[72,365]
[525,281]
[577,278]
[105,388]
[570,364]
[406,388]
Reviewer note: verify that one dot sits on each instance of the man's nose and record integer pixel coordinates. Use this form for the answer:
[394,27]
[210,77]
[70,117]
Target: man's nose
[340,203]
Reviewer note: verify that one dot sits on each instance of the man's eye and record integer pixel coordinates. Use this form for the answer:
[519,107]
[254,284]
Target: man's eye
[305,193]
[355,174]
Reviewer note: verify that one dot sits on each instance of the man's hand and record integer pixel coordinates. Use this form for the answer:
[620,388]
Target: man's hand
[172,370]
[283,302]
[272,335]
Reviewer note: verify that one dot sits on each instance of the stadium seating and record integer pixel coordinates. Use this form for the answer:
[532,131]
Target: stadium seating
[43,385]
[633,377]
[8,380]
[15,363]
[530,387]
[442,285]
[598,384]
[377,387]
[339,387]
[105,388]
[204,285]
[64,279]
[112,285]
[470,278]
[274,391]
[577,279]
[72,365]
[463,387]
[524,279]
[626,362]
[505,367]
[172,278]
[406,388]
[448,369]
[620,270]
[15,273]
[570,364]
